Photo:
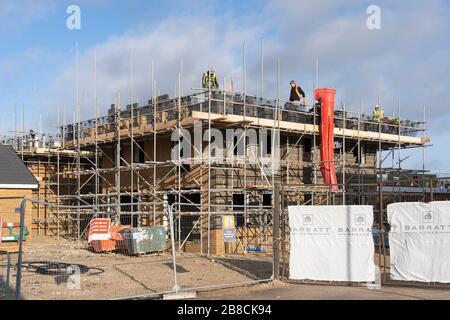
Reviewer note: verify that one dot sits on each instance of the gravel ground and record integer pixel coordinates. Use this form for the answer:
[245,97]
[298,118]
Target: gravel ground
[106,276]
[288,291]
[110,276]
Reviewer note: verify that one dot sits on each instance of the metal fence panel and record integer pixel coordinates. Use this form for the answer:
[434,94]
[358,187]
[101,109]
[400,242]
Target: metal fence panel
[140,259]
[380,233]
[6,284]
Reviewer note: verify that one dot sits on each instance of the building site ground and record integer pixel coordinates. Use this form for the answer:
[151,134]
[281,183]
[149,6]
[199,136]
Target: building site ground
[288,291]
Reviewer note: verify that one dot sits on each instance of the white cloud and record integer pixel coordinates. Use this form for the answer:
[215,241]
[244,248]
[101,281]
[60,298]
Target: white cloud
[406,60]
[25,11]
[22,13]
[171,42]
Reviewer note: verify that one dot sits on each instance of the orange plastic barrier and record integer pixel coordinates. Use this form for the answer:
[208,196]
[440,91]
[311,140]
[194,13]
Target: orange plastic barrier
[326,97]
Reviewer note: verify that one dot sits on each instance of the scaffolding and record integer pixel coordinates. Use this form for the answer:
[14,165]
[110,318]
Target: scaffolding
[123,160]
[88,145]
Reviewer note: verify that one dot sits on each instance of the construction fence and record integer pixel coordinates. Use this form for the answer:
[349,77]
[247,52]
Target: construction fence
[188,247]
[118,255]
[6,287]
[387,270]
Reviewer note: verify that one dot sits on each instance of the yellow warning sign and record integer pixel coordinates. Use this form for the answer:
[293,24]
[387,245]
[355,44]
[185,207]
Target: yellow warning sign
[228,228]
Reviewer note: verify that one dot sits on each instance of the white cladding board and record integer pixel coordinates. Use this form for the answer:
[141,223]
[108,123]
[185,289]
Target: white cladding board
[332,243]
[419,241]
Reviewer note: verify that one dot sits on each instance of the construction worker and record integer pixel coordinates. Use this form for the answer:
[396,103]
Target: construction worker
[378,117]
[297,94]
[33,138]
[210,78]
[378,114]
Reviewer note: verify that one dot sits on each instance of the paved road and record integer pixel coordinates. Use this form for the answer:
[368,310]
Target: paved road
[283,291]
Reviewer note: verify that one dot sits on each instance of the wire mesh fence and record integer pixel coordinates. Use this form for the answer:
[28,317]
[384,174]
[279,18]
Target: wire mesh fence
[233,237]
[129,251]
[6,284]
[380,232]
[145,250]
[12,229]
[107,251]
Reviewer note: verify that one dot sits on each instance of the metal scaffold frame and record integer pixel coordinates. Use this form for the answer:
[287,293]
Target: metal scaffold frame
[80,151]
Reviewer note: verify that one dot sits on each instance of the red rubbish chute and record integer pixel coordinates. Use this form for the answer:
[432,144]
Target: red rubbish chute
[326,97]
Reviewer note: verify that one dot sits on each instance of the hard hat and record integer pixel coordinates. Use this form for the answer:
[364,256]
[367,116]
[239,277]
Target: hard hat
[377,106]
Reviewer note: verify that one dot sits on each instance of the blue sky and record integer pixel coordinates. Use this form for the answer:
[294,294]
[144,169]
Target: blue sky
[408,60]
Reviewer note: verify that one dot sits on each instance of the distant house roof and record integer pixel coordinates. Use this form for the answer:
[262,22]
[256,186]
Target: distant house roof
[14,174]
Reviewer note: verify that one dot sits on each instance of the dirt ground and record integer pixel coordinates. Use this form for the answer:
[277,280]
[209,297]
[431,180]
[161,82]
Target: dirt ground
[289,291]
[116,276]
[110,276]
[391,290]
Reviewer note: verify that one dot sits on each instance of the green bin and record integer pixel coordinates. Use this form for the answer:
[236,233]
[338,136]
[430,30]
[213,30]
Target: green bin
[144,240]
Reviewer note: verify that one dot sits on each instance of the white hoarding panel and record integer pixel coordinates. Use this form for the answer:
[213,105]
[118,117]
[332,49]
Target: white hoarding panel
[332,243]
[419,241]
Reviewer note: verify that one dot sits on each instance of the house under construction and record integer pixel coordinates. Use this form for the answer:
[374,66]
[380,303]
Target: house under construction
[316,154]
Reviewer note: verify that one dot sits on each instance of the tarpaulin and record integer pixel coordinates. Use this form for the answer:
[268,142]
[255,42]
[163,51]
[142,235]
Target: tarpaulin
[419,241]
[332,243]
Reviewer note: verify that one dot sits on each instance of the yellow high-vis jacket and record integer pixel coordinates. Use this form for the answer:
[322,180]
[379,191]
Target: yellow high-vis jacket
[378,115]
[207,78]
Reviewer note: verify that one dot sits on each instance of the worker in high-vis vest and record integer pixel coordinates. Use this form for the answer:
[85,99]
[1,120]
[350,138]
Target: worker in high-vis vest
[297,94]
[378,114]
[210,77]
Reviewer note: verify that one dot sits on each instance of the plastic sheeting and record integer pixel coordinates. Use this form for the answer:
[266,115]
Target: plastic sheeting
[332,243]
[419,241]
